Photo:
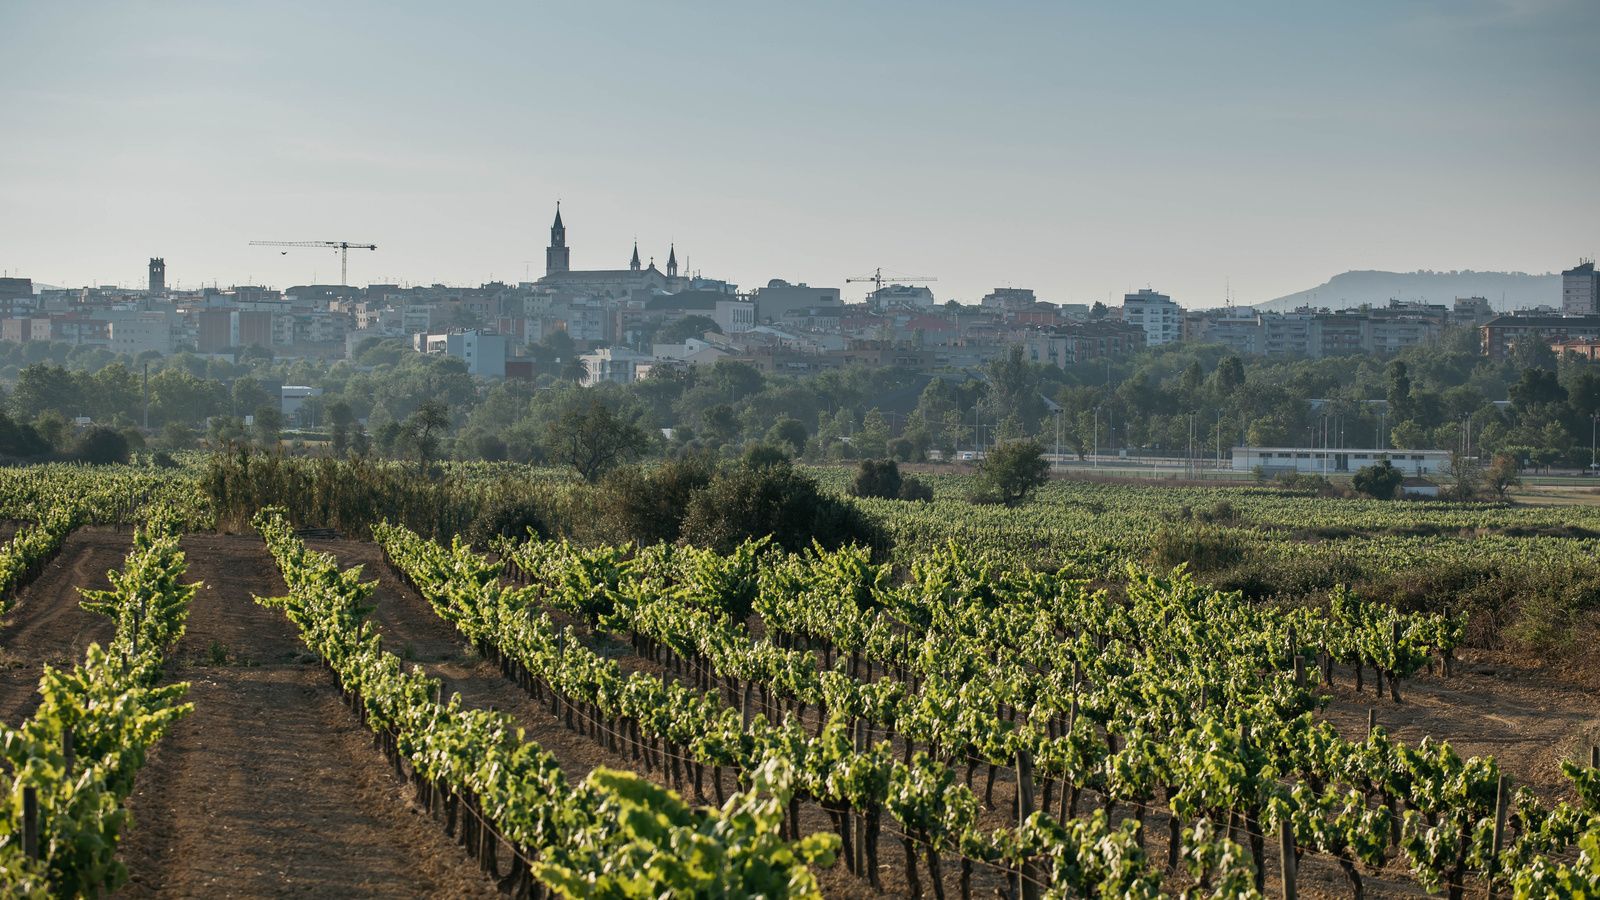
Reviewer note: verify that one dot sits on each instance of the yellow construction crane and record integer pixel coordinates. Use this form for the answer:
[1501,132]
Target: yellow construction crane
[344,248]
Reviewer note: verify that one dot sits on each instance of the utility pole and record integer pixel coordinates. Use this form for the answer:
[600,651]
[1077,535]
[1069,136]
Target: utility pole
[1219,443]
[1096,460]
[1057,464]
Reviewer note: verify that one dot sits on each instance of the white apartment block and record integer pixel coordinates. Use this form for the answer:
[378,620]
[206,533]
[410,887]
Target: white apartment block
[1580,290]
[1161,319]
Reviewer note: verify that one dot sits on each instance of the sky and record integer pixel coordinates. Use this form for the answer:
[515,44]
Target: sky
[1080,149]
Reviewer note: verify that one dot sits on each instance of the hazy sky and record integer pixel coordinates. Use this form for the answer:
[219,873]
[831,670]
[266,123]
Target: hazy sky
[1079,149]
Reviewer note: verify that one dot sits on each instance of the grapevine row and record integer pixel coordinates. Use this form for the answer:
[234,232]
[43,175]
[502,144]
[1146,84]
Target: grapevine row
[839,771]
[611,835]
[76,758]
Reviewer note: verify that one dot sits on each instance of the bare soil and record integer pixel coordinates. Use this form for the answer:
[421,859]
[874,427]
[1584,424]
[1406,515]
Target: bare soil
[46,625]
[411,628]
[1528,717]
[271,787]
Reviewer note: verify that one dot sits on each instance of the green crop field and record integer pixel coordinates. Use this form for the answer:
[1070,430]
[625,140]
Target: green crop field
[1111,690]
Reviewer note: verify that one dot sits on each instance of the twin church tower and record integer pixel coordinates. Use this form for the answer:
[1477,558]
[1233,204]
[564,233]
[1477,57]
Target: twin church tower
[558,260]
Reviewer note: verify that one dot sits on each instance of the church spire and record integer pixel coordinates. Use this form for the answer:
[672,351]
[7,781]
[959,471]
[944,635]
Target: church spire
[672,261]
[633,264]
[557,258]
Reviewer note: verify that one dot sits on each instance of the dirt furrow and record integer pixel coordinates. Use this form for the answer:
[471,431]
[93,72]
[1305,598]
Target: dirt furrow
[271,787]
[411,628]
[47,625]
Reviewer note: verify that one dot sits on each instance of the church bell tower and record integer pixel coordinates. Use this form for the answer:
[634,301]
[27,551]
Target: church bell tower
[557,257]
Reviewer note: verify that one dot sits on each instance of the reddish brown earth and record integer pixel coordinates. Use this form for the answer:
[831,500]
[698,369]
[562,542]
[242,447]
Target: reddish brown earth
[47,626]
[271,787]
[1494,704]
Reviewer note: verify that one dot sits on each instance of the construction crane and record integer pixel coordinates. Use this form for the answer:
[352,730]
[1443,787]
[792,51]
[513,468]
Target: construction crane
[877,278]
[344,248]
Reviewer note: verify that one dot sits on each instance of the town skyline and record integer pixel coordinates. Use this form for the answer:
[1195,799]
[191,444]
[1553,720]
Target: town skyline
[1080,151]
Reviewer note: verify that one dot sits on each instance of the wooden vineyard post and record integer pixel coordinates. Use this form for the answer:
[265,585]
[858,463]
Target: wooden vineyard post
[1394,651]
[1286,856]
[1372,721]
[1499,832]
[1299,672]
[30,822]
[68,750]
[1028,876]
[1594,757]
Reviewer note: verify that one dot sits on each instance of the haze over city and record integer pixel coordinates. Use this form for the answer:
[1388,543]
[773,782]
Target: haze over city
[1080,150]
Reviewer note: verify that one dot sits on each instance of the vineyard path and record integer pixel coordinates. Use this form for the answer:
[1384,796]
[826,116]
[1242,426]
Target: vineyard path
[46,624]
[271,787]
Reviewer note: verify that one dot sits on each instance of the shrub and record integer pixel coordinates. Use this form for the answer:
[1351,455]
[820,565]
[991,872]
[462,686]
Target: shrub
[1379,482]
[915,489]
[1011,471]
[102,446]
[648,506]
[761,456]
[508,516]
[1204,548]
[877,478]
[742,503]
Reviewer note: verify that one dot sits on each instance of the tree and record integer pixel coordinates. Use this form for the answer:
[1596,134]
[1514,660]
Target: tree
[593,439]
[44,387]
[876,478]
[742,503]
[873,438]
[788,430]
[1012,470]
[648,507]
[20,440]
[340,418]
[490,447]
[1536,388]
[268,425]
[1399,390]
[422,430]
[1532,353]
[1380,481]
[685,328]
[176,436]
[1504,473]
[102,446]
[1466,476]
[762,456]
[1014,389]
[1229,375]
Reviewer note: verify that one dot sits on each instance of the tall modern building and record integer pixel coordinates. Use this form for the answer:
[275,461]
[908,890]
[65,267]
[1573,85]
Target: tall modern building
[1161,319]
[158,276]
[1580,290]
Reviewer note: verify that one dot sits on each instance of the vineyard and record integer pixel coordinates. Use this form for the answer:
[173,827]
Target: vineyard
[1017,701]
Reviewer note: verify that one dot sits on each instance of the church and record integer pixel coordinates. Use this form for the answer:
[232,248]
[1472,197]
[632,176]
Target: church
[560,277]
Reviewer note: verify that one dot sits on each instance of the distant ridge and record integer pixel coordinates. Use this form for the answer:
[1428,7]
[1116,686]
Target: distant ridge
[1504,290]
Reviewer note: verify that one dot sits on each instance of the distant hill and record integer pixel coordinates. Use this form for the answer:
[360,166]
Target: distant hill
[1504,290]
